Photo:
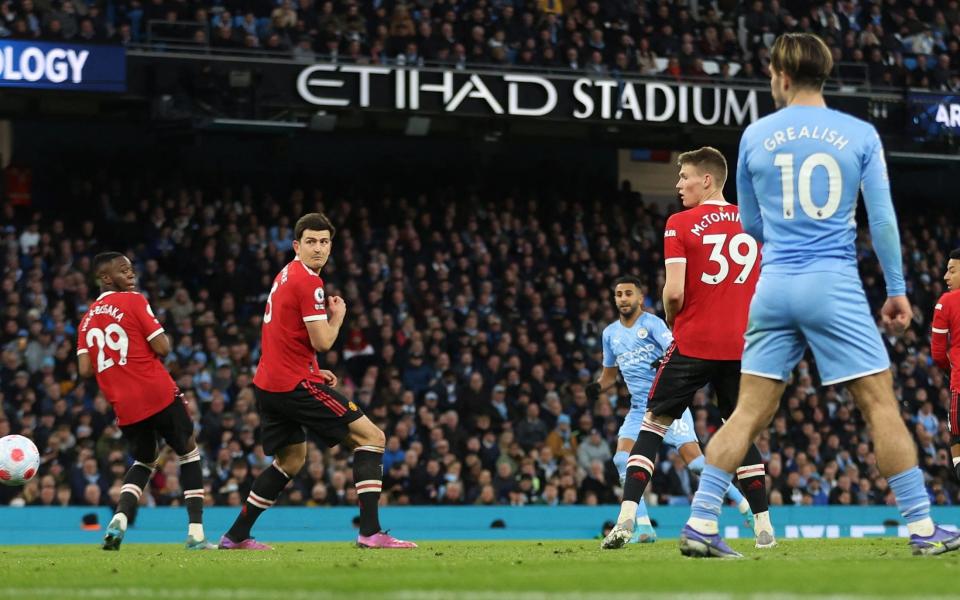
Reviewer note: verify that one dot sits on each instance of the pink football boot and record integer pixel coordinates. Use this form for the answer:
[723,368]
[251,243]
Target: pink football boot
[382,539]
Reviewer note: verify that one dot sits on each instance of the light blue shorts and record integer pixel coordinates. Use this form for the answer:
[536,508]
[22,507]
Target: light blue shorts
[681,431]
[827,311]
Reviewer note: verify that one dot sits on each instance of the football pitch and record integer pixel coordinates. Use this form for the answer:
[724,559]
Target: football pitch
[864,568]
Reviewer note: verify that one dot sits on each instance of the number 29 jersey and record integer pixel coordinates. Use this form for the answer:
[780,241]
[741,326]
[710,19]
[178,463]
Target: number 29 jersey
[722,266]
[116,333]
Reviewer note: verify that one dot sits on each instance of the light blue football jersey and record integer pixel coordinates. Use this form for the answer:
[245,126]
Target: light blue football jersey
[633,350]
[799,173]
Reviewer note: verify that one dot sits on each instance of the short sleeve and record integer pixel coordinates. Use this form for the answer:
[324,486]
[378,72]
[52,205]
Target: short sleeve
[312,300]
[149,323]
[82,347]
[609,358]
[941,316]
[673,250]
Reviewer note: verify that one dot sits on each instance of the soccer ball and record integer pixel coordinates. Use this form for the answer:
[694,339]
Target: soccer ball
[19,460]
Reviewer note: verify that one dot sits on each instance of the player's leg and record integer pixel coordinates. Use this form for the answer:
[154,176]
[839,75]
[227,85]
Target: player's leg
[676,383]
[142,440]
[954,425]
[627,437]
[759,399]
[174,424]
[751,474]
[368,442]
[263,494]
[897,461]
[283,437]
[692,455]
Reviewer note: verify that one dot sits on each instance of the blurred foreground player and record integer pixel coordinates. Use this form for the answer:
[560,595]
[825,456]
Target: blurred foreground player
[798,177]
[293,393]
[945,347]
[120,342]
[711,267]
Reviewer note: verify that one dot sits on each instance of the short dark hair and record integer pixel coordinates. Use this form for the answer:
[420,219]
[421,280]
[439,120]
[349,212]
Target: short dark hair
[628,279]
[103,259]
[707,159]
[804,57]
[955,254]
[315,222]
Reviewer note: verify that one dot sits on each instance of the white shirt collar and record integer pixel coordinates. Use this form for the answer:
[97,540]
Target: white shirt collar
[716,202]
[308,269]
[105,294]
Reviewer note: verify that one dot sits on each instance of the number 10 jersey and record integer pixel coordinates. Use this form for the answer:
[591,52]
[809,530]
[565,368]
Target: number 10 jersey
[116,333]
[722,265]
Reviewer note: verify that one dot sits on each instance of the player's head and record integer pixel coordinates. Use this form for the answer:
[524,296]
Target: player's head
[702,175]
[313,239]
[628,295]
[952,276]
[798,62]
[114,272]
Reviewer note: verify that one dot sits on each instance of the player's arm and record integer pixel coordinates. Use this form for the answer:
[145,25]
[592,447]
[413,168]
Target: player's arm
[875,185]
[610,370]
[747,202]
[324,329]
[84,366]
[939,331]
[160,344]
[675,262]
[673,288]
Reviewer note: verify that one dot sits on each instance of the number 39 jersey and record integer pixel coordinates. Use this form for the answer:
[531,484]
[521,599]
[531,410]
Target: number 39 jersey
[722,265]
[116,333]
[286,355]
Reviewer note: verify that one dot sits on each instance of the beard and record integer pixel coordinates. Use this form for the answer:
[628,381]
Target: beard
[629,311]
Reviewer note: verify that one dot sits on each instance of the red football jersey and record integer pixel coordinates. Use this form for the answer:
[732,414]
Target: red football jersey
[286,356]
[116,332]
[723,264]
[944,344]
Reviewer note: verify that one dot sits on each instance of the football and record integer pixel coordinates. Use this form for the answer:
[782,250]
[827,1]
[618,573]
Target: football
[19,460]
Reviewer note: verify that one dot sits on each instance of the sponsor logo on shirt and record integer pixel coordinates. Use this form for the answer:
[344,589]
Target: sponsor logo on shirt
[670,233]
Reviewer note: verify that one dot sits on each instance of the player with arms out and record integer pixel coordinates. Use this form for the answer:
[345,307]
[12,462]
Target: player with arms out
[292,392]
[711,274]
[632,346]
[120,342]
[945,347]
[798,177]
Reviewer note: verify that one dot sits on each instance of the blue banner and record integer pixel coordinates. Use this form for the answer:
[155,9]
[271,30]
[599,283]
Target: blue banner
[86,525]
[57,66]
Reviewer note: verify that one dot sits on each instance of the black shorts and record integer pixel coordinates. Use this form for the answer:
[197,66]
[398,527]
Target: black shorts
[285,416]
[173,424]
[679,378]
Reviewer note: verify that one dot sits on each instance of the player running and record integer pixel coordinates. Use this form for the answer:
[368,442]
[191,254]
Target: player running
[632,345]
[711,274]
[945,348]
[798,177]
[122,335]
[293,393]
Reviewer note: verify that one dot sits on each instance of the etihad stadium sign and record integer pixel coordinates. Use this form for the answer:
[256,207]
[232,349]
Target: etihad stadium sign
[527,95]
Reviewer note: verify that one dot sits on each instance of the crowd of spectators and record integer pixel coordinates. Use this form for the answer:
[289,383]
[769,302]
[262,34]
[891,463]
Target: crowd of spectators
[890,43]
[474,322]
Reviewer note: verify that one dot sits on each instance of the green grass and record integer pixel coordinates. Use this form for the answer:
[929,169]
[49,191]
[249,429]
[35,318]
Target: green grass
[476,571]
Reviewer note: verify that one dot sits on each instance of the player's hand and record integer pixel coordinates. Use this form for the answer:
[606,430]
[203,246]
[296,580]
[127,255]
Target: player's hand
[336,306]
[329,378]
[593,391]
[896,314]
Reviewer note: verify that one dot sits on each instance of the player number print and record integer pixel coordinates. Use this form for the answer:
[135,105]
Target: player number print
[804,178]
[742,251]
[113,337]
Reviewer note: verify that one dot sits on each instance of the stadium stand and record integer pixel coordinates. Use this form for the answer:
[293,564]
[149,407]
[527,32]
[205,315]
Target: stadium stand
[474,323]
[893,44]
